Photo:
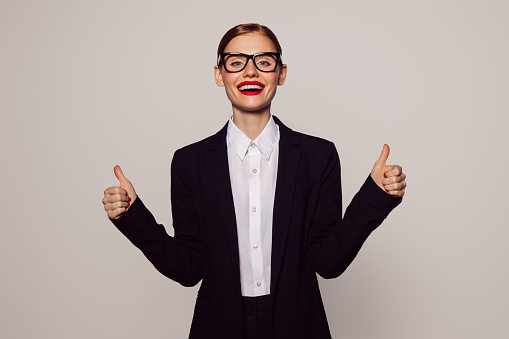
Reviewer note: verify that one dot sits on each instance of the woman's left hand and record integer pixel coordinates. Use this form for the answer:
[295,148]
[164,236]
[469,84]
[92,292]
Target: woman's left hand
[390,178]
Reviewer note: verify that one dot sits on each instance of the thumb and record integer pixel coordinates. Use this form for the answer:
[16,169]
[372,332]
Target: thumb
[125,184]
[384,155]
[377,173]
[120,176]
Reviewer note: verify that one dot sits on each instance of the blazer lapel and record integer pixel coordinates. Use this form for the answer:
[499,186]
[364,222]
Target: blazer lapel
[288,163]
[217,158]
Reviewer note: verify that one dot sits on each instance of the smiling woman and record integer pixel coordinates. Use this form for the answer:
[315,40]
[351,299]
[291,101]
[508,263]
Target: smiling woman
[257,209]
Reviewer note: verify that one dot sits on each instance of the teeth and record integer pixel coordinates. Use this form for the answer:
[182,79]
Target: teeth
[246,87]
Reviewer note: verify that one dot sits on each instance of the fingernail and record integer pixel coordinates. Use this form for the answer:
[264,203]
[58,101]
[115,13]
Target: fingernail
[128,204]
[129,199]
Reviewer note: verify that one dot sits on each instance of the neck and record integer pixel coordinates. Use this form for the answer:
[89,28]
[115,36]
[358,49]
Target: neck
[251,123]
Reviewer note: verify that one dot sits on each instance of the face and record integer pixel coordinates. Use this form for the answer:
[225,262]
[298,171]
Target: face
[250,101]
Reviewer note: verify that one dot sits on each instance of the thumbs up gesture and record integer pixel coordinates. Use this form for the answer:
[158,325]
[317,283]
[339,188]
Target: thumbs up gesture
[390,178]
[117,199]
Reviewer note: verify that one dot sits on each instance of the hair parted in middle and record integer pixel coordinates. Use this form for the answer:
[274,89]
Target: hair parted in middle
[242,29]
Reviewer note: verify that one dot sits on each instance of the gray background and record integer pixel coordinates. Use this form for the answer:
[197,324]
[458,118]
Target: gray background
[86,85]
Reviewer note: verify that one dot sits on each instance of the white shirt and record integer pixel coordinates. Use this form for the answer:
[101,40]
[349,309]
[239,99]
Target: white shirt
[253,170]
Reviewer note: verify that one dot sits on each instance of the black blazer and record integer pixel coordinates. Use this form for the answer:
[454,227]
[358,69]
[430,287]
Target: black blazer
[309,234]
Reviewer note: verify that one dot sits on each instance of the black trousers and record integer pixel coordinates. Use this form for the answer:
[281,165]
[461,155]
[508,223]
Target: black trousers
[257,317]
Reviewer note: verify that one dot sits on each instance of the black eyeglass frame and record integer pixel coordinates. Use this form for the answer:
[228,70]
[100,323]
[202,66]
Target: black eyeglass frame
[249,57]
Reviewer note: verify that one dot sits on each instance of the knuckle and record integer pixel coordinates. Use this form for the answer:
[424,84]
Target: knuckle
[114,214]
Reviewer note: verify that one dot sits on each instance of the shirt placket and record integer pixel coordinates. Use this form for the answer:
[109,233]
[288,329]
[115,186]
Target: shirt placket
[255,217]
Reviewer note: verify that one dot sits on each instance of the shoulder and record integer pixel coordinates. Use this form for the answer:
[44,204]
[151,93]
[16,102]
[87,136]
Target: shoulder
[314,142]
[314,147]
[189,156]
[317,151]
[307,142]
[195,147]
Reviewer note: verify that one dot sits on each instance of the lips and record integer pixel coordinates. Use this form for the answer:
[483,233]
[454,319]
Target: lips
[250,87]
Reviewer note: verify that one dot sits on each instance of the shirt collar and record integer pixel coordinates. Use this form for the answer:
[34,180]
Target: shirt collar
[265,141]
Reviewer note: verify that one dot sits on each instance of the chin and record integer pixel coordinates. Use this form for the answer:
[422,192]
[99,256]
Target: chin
[253,109]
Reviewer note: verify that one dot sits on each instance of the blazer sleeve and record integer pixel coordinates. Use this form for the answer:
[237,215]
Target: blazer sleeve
[334,240]
[178,257]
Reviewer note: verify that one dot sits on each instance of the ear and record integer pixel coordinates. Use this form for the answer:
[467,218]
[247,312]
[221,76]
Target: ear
[282,75]
[218,76]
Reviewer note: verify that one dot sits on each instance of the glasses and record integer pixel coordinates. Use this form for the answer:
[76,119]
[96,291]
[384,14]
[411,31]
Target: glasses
[236,62]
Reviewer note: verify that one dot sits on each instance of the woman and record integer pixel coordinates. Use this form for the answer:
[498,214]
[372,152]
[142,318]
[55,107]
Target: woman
[257,209]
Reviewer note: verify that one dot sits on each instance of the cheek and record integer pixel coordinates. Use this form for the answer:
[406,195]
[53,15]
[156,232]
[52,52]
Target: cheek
[271,79]
[229,85]
[229,82]
[229,78]
[272,82]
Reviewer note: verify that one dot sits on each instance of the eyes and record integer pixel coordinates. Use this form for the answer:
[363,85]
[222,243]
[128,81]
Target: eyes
[240,62]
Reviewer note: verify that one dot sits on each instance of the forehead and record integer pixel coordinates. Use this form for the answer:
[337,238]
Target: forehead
[250,44]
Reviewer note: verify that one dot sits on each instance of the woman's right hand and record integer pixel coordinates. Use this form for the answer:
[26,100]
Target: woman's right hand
[117,199]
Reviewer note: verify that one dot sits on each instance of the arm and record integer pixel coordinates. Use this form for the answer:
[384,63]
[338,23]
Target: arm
[335,241]
[178,257]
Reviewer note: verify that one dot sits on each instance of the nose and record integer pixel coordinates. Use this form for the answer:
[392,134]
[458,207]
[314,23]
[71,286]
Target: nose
[250,70]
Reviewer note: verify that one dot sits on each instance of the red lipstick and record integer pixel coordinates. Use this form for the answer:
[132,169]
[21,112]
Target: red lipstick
[250,87]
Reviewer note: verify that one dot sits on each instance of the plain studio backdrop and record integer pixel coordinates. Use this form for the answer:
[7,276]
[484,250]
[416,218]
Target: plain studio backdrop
[86,85]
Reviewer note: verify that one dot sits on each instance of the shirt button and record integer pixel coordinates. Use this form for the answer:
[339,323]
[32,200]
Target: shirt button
[252,144]
[255,170]
[255,247]
[258,284]
[254,209]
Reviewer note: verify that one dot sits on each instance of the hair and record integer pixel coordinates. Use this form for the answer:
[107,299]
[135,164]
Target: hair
[246,29]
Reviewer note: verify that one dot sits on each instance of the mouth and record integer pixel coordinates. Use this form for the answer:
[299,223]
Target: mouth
[250,87]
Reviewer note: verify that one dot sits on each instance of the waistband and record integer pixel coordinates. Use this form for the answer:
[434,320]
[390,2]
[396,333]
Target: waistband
[252,305]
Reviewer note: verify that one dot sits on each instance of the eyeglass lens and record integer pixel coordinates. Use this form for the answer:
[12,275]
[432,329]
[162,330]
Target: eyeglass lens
[264,62]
